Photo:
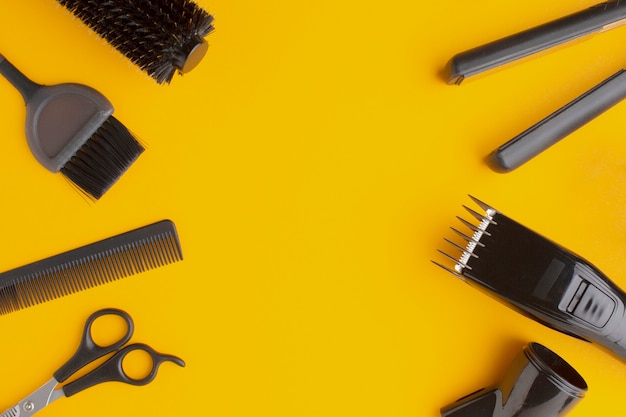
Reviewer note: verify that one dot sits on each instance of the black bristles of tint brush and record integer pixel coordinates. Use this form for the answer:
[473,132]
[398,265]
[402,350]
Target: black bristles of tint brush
[161,37]
[98,263]
[103,159]
[70,128]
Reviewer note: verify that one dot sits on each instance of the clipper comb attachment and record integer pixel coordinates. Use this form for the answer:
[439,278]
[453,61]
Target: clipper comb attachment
[473,241]
[539,278]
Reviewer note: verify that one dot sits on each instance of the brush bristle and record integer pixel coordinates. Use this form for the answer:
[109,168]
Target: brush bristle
[103,159]
[156,35]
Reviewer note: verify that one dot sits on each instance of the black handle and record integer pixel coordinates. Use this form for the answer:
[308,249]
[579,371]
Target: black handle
[511,48]
[113,370]
[24,85]
[559,124]
[89,350]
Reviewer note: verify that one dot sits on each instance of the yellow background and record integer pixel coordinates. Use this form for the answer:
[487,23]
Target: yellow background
[313,163]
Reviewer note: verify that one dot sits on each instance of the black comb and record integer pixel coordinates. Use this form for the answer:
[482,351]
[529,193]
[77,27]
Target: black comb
[95,264]
[539,279]
[159,36]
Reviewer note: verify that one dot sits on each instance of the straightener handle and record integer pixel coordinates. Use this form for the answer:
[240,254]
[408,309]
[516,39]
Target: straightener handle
[559,124]
[594,19]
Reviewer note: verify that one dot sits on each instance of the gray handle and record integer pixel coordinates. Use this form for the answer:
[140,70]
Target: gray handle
[559,124]
[24,85]
[594,19]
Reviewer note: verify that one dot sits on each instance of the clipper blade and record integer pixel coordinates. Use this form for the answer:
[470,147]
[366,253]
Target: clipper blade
[464,250]
[537,278]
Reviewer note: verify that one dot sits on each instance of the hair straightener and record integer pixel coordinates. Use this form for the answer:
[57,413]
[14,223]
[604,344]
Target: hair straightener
[572,115]
[539,278]
[496,54]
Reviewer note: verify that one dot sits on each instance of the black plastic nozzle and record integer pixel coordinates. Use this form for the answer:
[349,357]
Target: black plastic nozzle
[539,383]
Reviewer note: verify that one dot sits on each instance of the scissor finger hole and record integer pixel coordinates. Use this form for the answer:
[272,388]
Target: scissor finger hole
[138,364]
[108,329]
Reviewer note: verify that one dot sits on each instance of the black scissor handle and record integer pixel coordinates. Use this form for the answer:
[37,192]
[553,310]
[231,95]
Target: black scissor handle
[89,350]
[113,370]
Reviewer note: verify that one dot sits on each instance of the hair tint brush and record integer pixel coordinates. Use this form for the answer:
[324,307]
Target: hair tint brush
[539,279]
[98,263]
[161,37]
[70,128]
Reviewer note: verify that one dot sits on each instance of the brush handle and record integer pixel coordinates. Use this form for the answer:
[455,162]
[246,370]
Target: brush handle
[559,124]
[597,18]
[24,85]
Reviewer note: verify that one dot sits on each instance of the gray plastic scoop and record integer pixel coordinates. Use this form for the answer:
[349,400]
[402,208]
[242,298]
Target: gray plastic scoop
[59,118]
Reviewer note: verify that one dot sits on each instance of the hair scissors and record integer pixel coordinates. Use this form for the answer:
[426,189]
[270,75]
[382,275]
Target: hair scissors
[88,351]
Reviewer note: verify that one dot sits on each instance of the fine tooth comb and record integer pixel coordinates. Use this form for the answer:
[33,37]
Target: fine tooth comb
[70,128]
[161,37]
[98,263]
[538,278]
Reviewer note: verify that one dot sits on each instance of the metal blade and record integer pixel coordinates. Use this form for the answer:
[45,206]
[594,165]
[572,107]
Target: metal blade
[35,401]
[479,216]
[482,205]
[467,238]
[459,248]
[453,272]
[12,412]
[472,227]
[490,212]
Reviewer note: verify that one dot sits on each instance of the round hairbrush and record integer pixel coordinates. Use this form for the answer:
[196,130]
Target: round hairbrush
[161,37]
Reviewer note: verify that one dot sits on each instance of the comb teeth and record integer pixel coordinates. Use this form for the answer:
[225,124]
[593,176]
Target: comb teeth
[127,254]
[460,262]
[103,159]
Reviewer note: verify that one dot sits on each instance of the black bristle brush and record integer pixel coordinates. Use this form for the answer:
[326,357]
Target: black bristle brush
[70,129]
[159,36]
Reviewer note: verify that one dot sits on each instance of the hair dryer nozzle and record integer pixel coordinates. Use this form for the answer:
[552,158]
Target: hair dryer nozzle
[538,383]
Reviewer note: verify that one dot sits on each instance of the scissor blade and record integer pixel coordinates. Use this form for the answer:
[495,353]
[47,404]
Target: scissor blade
[35,401]
[12,412]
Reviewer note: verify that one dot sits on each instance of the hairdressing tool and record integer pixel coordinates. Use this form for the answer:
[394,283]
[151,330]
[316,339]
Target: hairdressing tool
[595,19]
[88,351]
[559,124]
[98,263]
[70,128]
[567,119]
[161,37]
[539,383]
[539,279]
